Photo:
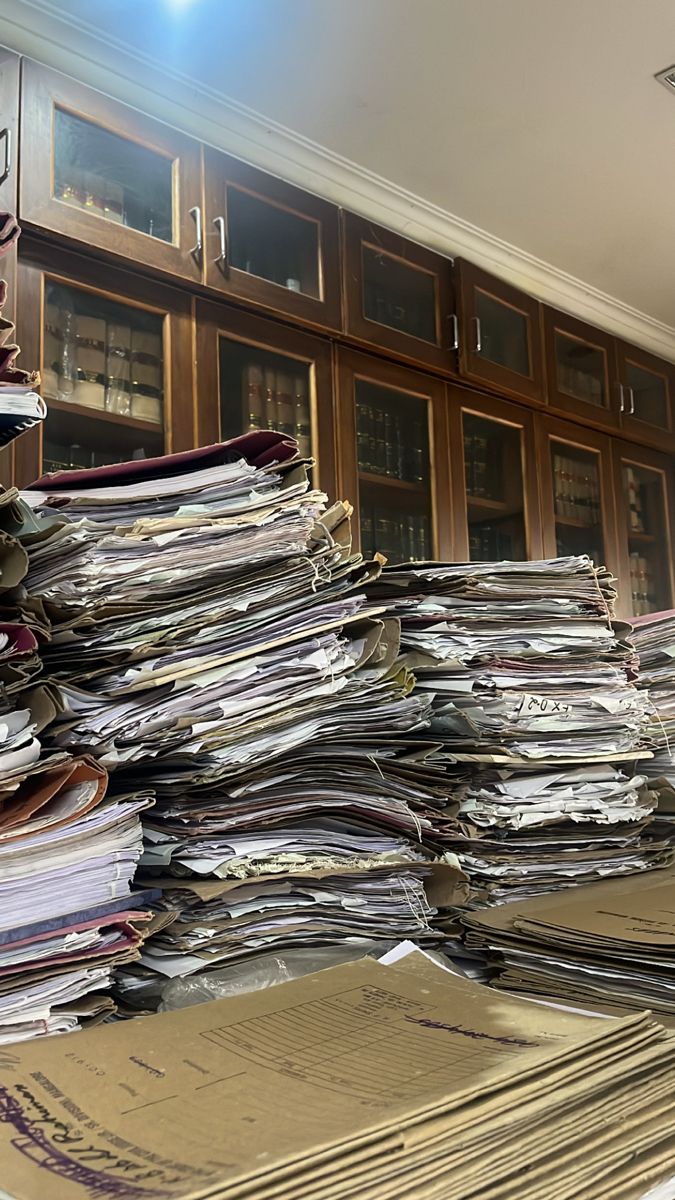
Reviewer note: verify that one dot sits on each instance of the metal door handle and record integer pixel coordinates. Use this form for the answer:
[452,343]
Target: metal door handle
[455,332]
[196,214]
[478,343]
[6,135]
[631,410]
[622,402]
[219,223]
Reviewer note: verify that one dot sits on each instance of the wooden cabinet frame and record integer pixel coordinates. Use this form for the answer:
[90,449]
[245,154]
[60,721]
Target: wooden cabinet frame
[628,454]
[553,429]
[215,320]
[463,400]
[357,233]
[576,330]
[37,261]
[222,171]
[631,423]
[472,364]
[43,90]
[352,366]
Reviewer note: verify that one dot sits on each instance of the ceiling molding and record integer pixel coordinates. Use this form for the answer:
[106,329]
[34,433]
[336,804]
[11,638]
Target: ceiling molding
[35,28]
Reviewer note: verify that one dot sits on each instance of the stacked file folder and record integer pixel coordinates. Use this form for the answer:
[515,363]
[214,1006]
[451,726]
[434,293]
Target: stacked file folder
[654,639]
[608,947]
[532,693]
[365,1080]
[67,853]
[214,643]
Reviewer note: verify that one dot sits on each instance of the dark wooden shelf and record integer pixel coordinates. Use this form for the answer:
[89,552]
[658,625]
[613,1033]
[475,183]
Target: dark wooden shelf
[645,538]
[577,523]
[489,505]
[389,481]
[102,414]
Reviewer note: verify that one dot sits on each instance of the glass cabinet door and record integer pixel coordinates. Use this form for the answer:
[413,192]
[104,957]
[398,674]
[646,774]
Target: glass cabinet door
[495,501]
[270,242]
[644,484]
[391,447]
[399,294]
[577,501]
[105,360]
[493,480]
[581,368]
[500,338]
[254,374]
[103,174]
[647,385]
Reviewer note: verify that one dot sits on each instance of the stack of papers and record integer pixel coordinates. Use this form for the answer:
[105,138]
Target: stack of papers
[532,692]
[213,642]
[609,947]
[654,639]
[67,853]
[364,1080]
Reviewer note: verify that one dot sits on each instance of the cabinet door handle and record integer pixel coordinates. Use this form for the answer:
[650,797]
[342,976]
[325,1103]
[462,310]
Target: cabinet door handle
[221,260]
[6,136]
[454,345]
[196,214]
[478,341]
[622,401]
[631,410]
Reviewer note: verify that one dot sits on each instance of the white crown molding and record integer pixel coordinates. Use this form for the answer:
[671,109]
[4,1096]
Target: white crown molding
[35,28]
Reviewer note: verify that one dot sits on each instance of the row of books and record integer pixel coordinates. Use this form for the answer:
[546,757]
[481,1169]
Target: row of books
[483,467]
[278,400]
[487,543]
[398,538]
[389,444]
[642,585]
[576,490]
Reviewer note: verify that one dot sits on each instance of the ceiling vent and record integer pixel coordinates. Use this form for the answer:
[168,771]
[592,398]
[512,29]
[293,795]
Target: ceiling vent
[667,78]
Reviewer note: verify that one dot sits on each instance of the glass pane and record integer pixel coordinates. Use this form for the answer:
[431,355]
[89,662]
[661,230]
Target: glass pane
[581,370]
[504,333]
[495,504]
[647,539]
[111,177]
[577,502]
[261,389]
[650,395]
[273,243]
[103,379]
[399,295]
[394,472]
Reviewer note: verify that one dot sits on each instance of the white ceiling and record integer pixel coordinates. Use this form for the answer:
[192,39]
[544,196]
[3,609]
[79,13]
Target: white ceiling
[536,120]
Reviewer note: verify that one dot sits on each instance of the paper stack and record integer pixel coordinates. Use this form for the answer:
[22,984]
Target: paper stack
[214,643]
[364,1080]
[67,855]
[531,683]
[654,639]
[607,947]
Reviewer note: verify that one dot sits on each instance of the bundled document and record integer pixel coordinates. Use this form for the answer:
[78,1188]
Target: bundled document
[609,947]
[531,683]
[214,645]
[362,1080]
[68,852]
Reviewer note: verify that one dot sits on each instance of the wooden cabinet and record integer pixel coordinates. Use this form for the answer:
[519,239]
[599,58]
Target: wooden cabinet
[647,389]
[9,128]
[398,294]
[581,369]
[255,374]
[577,492]
[644,488]
[270,243]
[494,475]
[393,457]
[115,358]
[500,334]
[100,173]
